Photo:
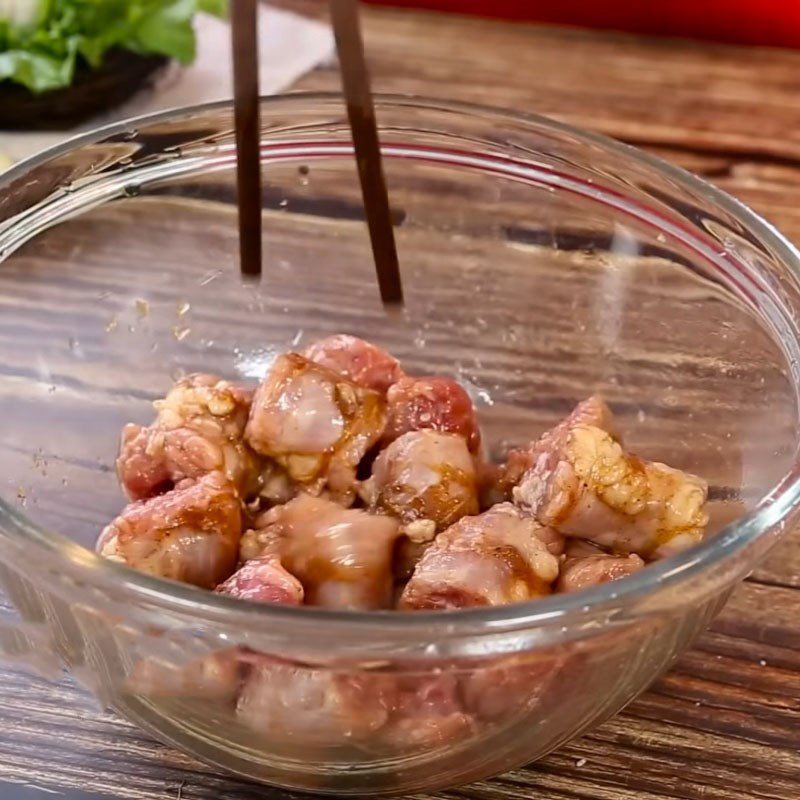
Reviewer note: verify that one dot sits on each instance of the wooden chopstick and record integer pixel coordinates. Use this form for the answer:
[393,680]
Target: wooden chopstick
[361,113]
[244,35]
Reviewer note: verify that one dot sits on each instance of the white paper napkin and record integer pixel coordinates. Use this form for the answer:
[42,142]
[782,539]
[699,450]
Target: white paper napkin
[290,46]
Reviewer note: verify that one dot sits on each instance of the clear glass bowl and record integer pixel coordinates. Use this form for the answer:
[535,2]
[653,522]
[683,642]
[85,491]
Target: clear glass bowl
[541,264]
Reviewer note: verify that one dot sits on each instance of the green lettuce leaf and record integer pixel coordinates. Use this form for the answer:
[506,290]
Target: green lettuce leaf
[44,56]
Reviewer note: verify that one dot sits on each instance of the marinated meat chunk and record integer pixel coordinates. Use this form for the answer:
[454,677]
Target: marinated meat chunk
[342,557]
[144,467]
[592,411]
[586,565]
[493,559]
[215,678]
[365,364]
[424,477]
[426,712]
[426,480]
[311,705]
[198,429]
[438,404]
[508,687]
[584,485]
[263,580]
[316,424]
[190,534]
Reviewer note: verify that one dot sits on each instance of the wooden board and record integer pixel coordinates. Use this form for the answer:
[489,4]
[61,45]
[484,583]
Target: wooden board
[724,724]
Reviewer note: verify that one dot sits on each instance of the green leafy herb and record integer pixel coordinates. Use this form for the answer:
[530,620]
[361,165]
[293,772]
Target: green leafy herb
[43,53]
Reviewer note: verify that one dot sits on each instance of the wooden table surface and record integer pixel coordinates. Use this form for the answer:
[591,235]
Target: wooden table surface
[724,724]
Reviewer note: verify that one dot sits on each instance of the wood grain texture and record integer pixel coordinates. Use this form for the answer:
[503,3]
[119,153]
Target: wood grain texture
[724,724]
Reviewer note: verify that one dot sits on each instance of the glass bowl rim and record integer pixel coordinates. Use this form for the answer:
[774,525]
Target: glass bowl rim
[182,598]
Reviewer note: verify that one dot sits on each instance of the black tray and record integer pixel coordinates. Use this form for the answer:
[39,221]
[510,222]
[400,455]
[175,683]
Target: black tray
[93,91]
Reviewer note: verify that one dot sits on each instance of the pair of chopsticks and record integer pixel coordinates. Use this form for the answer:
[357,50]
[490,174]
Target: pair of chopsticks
[361,113]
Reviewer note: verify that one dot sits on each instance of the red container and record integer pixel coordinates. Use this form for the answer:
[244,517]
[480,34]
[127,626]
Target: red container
[758,22]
